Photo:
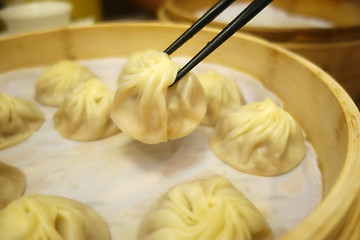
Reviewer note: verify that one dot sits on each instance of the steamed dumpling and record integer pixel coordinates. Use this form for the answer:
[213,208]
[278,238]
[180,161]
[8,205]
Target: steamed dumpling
[222,94]
[59,81]
[202,210]
[85,115]
[131,62]
[38,216]
[12,184]
[259,138]
[19,119]
[147,109]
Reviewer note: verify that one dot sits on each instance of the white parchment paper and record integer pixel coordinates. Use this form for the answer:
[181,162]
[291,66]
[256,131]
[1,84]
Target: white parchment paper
[120,177]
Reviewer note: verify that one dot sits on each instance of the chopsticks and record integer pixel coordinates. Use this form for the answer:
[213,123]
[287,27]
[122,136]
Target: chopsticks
[244,17]
[212,13]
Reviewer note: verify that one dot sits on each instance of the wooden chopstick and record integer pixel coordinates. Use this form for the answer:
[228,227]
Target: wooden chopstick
[244,17]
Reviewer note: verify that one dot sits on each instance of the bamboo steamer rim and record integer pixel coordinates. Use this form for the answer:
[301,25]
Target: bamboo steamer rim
[172,11]
[336,205]
[298,37]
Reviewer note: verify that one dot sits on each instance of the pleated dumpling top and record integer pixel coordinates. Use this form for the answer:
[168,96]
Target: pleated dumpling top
[204,209]
[85,114]
[58,82]
[259,138]
[37,216]
[19,120]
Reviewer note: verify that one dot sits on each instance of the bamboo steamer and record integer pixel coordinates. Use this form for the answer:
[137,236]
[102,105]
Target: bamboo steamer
[325,111]
[335,49]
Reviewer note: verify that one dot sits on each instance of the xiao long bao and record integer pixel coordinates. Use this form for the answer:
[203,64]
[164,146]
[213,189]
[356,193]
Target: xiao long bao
[150,111]
[37,216]
[259,138]
[19,120]
[85,114]
[131,62]
[222,94]
[59,81]
[12,184]
[204,209]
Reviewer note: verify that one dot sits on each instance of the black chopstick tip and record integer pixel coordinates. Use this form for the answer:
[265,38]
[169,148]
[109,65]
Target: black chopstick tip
[176,80]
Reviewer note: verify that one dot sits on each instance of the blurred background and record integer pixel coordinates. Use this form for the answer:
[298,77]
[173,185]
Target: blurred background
[326,32]
[105,10]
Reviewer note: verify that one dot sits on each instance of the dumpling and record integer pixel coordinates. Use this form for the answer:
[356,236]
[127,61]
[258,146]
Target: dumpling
[85,114]
[259,138]
[131,62]
[59,81]
[19,120]
[12,184]
[147,109]
[38,216]
[204,209]
[222,93]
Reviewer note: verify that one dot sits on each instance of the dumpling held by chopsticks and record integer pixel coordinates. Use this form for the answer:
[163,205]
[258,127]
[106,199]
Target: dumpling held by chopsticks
[147,109]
